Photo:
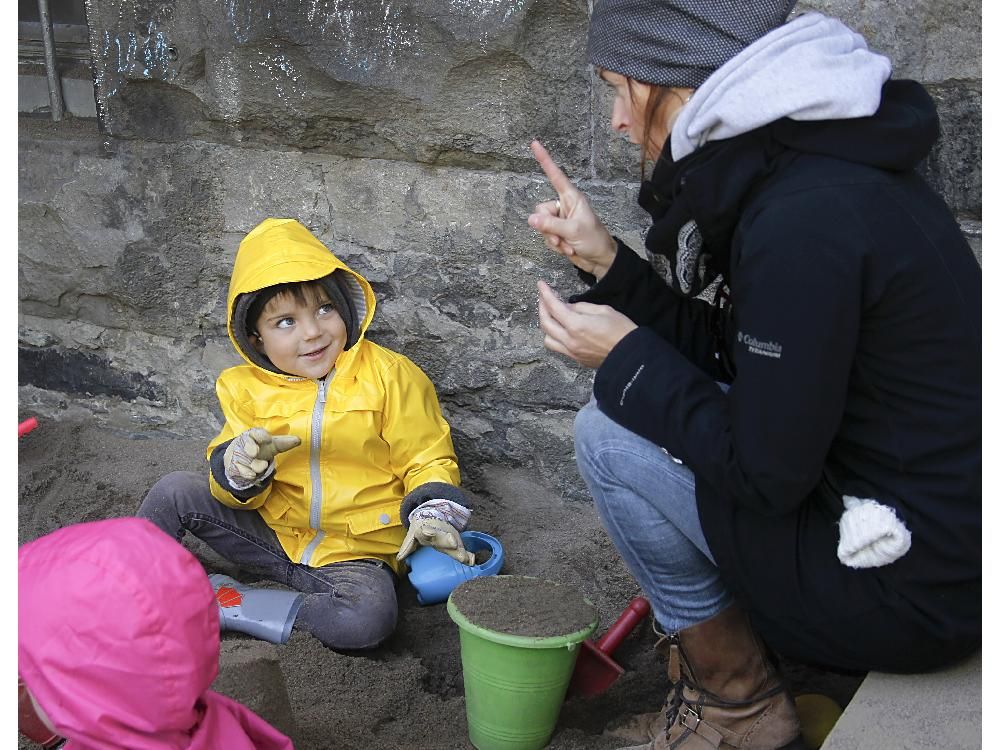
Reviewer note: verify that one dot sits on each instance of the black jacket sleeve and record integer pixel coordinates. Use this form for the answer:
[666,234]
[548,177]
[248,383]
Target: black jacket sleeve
[430,491]
[634,288]
[764,442]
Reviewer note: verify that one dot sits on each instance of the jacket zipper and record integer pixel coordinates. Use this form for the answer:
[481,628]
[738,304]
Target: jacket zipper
[315,442]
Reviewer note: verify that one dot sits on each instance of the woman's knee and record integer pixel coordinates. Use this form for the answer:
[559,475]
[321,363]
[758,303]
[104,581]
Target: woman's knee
[589,430]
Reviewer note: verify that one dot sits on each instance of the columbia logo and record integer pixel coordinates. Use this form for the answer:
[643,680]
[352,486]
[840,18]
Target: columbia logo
[756,346]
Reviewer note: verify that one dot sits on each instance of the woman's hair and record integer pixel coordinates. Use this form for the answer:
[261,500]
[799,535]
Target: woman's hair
[658,96]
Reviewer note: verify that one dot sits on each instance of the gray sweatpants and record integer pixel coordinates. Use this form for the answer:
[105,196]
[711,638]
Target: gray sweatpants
[348,605]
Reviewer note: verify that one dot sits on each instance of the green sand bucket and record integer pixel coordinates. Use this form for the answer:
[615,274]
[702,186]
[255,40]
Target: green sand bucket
[514,685]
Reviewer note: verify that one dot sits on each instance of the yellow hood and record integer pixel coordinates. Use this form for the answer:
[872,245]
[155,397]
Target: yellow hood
[278,251]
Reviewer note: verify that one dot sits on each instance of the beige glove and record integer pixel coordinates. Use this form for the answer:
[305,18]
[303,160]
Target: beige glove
[250,457]
[441,535]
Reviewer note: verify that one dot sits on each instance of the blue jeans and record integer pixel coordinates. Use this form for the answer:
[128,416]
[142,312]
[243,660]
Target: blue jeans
[348,605]
[646,502]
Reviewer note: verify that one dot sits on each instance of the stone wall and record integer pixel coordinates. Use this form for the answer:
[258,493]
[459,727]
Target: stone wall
[398,131]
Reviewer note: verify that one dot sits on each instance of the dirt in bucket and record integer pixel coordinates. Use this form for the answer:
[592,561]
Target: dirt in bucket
[522,605]
[482,555]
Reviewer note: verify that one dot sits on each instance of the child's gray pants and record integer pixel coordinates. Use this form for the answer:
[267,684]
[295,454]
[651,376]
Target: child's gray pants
[348,605]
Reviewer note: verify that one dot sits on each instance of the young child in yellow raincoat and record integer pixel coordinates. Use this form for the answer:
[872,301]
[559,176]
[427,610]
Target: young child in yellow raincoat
[334,462]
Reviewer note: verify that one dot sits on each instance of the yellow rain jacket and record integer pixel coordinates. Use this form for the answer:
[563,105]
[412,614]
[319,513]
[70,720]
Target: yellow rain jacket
[371,433]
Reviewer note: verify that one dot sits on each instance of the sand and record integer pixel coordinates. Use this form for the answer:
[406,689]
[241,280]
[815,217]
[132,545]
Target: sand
[524,606]
[409,692]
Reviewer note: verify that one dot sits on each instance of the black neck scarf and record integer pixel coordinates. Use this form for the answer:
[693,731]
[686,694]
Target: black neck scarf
[696,203]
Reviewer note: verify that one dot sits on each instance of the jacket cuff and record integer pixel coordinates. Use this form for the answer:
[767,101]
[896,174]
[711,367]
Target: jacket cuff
[623,367]
[430,491]
[622,269]
[217,463]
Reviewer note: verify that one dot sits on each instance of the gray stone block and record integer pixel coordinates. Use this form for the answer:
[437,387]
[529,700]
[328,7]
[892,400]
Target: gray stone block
[417,81]
[396,130]
[926,40]
[955,165]
[914,712]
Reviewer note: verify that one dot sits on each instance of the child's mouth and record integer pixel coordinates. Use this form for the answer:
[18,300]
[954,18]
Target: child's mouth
[317,354]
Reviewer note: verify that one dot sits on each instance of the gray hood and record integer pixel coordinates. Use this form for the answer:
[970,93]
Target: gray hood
[811,68]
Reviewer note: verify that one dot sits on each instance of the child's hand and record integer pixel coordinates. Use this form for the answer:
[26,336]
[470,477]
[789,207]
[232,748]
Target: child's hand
[249,458]
[440,535]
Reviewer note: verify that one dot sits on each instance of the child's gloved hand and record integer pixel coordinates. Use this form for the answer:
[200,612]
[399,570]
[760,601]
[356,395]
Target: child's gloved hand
[250,456]
[440,535]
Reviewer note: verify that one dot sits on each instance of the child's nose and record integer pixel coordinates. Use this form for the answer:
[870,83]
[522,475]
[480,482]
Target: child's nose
[310,329]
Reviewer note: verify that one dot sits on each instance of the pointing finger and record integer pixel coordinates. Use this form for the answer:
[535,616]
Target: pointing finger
[556,176]
[284,443]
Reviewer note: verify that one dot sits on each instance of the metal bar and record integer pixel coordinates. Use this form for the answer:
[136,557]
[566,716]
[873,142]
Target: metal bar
[55,87]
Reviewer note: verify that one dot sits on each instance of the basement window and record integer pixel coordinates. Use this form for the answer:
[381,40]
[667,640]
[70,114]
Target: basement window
[72,51]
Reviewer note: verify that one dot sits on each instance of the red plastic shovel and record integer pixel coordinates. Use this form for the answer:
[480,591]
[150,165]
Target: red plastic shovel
[595,670]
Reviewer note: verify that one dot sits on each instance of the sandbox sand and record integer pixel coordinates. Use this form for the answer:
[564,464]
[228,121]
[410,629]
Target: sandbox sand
[409,692]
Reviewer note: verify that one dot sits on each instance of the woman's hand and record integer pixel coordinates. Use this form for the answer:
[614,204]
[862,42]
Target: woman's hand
[582,331]
[569,224]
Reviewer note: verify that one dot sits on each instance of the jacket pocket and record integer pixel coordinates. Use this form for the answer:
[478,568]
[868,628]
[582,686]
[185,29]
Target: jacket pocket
[276,507]
[375,531]
[369,520]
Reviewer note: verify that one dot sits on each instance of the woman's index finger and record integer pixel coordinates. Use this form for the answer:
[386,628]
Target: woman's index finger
[558,310]
[556,176]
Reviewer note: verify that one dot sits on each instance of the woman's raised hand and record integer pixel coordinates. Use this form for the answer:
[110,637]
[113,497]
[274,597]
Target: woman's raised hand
[569,224]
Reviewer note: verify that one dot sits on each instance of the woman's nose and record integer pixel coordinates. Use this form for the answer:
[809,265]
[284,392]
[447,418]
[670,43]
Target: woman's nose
[619,117]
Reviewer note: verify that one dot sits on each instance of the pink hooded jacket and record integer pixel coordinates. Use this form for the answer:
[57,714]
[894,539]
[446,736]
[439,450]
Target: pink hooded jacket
[118,642]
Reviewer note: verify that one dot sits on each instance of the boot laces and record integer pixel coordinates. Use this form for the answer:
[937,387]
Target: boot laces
[674,700]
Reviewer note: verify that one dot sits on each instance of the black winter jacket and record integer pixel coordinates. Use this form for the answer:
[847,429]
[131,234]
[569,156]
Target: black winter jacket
[852,342]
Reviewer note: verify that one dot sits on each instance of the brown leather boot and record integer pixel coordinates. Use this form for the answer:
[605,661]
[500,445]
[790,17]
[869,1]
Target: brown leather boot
[726,692]
[641,729]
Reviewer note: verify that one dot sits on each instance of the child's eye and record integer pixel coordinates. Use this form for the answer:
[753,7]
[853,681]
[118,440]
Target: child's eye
[285,323]
[326,309]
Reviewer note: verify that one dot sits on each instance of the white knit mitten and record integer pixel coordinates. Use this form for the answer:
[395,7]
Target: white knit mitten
[871,534]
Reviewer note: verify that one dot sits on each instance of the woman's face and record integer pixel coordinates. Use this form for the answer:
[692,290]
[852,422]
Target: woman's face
[629,110]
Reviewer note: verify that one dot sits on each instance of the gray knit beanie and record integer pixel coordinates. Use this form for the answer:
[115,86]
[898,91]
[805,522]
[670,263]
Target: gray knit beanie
[677,43]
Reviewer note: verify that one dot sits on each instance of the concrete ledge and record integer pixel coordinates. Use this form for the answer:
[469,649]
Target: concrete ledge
[932,711]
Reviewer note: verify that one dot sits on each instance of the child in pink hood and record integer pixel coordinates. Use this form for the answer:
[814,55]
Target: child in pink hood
[118,642]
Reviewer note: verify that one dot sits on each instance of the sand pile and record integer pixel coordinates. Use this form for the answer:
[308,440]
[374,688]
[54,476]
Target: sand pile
[408,693]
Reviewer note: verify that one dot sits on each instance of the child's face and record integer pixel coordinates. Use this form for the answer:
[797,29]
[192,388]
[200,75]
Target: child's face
[301,339]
